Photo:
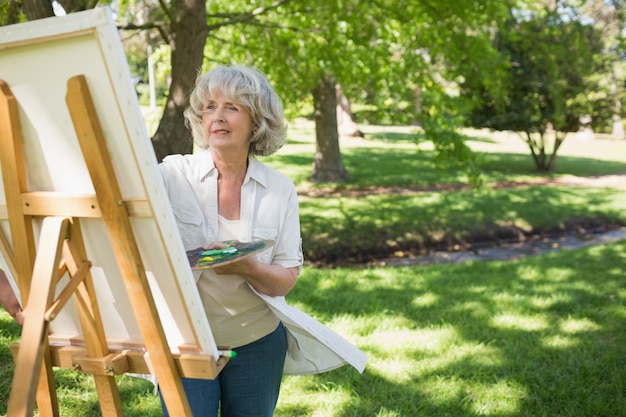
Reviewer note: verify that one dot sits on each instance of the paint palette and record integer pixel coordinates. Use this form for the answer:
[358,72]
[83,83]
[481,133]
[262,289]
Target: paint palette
[201,258]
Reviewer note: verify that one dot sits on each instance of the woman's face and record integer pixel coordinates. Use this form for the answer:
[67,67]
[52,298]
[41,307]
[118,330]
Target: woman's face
[226,124]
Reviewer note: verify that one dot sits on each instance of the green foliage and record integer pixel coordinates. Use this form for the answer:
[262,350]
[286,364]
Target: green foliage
[11,12]
[397,66]
[9,333]
[442,118]
[553,60]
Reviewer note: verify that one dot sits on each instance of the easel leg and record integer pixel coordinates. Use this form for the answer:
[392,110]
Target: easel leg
[33,346]
[91,321]
[47,402]
[116,219]
[12,163]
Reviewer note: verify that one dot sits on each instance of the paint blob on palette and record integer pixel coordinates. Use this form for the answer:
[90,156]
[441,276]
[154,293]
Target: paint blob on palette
[201,258]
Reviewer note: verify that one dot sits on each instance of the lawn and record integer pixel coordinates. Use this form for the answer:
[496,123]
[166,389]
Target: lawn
[543,336]
[379,224]
[540,336]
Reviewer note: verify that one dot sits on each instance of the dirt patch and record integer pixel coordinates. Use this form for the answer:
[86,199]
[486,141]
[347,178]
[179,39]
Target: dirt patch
[601,181]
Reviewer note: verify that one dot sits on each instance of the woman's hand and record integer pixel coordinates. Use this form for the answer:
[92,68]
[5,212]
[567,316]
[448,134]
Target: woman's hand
[9,300]
[215,245]
[273,280]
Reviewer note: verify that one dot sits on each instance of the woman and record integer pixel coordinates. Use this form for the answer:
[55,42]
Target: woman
[225,193]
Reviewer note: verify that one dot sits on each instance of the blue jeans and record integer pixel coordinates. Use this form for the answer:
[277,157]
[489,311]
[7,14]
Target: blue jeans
[249,384]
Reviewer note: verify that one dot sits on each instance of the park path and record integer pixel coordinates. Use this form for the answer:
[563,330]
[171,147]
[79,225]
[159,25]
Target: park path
[509,251]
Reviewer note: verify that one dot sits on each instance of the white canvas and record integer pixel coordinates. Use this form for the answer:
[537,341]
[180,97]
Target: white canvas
[36,60]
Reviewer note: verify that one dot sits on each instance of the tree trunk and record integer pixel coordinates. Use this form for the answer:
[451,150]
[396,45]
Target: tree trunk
[37,9]
[327,165]
[618,124]
[618,127]
[559,138]
[71,6]
[417,95]
[187,40]
[345,123]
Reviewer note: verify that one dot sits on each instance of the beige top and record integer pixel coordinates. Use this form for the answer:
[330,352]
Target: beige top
[236,314]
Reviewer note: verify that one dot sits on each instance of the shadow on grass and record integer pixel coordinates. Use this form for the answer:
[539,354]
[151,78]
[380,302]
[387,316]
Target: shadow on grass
[499,164]
[375,166]
[292,141]
[548,332]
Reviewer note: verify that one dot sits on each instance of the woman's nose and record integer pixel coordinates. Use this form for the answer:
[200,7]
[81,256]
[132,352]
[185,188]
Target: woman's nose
[217,117]
[218,114]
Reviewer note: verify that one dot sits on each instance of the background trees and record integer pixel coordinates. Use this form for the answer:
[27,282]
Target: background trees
[379,53]
[404,59]
[608,18]
[551,85]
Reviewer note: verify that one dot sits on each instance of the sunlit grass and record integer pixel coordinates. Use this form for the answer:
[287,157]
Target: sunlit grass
[388,156]
[494,338]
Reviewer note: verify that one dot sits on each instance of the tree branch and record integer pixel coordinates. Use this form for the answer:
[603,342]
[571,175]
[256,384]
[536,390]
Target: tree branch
[147,26]
[166,10]
[229,19]
[244,17]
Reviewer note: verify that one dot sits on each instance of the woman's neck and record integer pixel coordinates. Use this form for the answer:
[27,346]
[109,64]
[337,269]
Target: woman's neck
[229,181]
[231,167]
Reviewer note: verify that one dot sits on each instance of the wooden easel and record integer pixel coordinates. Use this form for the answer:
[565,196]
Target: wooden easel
[61,252]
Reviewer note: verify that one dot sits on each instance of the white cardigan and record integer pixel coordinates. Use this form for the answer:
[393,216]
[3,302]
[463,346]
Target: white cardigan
[312,347]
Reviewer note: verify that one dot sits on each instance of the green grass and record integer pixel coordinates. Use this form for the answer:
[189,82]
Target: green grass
[345,227]
[541,336]
[390,156]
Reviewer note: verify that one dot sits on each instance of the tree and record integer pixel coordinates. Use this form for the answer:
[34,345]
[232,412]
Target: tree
[182,25]
[37,9]
[303,47]
[417,45]
[609,18]
[186,34]
[552,57]
[345,119]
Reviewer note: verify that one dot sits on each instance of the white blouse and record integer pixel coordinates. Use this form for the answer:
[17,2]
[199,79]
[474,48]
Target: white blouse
[269,210]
